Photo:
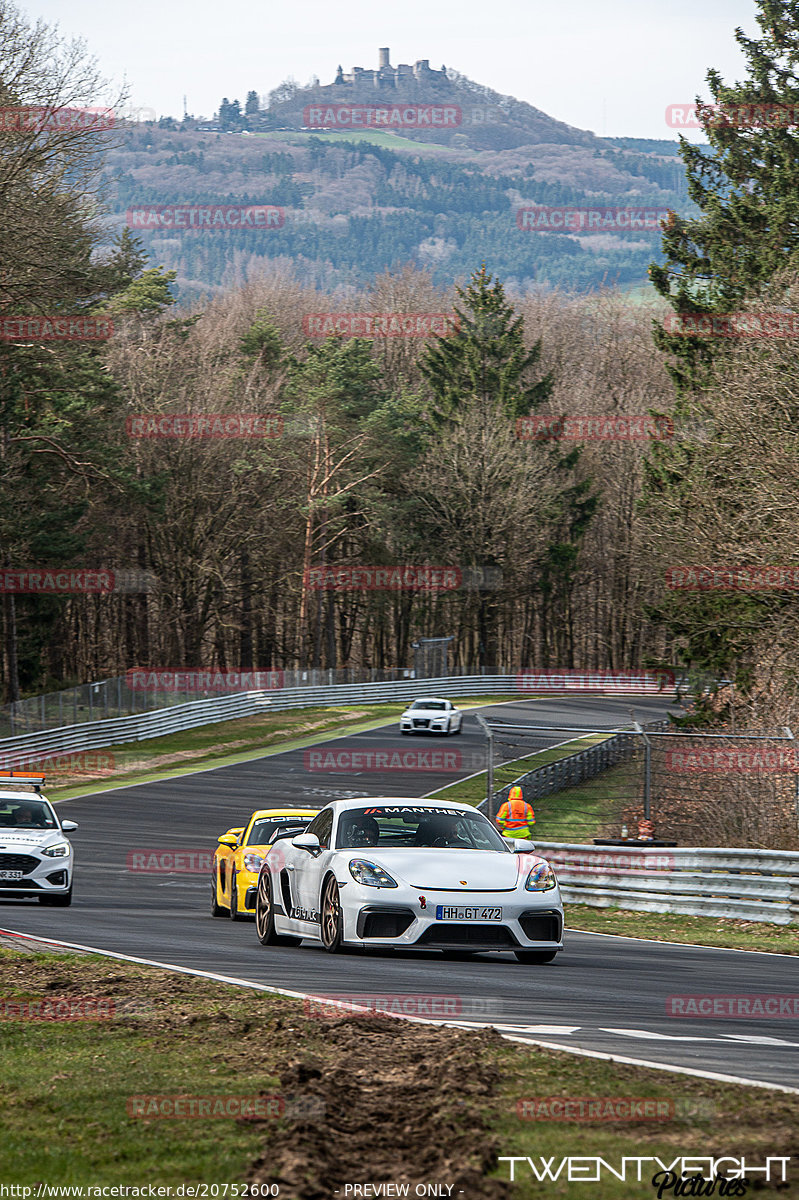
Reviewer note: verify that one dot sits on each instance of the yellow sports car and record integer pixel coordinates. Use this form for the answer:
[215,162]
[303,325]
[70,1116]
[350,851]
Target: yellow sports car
[238,858]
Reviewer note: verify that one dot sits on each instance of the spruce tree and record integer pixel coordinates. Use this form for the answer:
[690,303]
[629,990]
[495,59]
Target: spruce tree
[485,358]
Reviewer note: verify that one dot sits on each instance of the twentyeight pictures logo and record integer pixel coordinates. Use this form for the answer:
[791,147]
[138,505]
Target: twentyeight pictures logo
[538,218]
[206,218]
[379,325]
[382,116]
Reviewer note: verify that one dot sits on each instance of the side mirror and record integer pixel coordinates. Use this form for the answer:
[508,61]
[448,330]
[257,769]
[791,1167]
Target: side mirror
[69,826]
[307,841]
[522,845]
[228,839]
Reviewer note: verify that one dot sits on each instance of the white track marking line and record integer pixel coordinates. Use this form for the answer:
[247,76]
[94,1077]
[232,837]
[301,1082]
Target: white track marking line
[645,1035]
[654,1066]
[264,987]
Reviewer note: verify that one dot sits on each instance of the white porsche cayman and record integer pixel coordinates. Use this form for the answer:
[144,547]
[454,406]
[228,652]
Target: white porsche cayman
[405,873]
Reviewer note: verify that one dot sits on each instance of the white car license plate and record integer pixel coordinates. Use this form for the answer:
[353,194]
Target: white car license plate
[445,913]
[10,874]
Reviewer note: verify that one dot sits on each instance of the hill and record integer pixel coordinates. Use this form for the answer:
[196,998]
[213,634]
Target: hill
[361,200]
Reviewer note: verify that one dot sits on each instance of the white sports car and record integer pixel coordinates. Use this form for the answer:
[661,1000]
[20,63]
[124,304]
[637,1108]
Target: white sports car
[403,873]
[35,856]
[432,715]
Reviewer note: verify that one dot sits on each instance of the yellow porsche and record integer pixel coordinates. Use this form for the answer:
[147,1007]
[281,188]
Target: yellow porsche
[238,858]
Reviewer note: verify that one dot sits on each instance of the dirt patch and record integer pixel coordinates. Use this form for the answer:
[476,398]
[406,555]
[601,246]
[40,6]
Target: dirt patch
[401,1104]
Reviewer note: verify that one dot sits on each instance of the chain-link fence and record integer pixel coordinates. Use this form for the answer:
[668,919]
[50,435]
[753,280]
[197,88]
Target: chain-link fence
[697,788]
[145,690]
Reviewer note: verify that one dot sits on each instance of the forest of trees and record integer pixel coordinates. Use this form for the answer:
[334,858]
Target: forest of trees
[402,450]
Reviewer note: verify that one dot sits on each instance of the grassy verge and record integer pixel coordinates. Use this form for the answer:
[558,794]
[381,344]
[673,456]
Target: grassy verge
[669,927]
[223,743]
[72,1089]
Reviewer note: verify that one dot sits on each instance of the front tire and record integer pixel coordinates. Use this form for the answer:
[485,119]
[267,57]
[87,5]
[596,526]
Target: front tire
[235,913]
[332,924]
[216,908]
[62,901]
[535,956]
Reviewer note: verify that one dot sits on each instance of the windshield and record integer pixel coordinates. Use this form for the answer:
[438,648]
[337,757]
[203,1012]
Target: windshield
[263,831]
[430,704]
[420,827]
[27,814]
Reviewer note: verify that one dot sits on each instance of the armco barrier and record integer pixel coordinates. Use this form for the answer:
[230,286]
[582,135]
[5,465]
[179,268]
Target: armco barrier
[95,735]
[750,885]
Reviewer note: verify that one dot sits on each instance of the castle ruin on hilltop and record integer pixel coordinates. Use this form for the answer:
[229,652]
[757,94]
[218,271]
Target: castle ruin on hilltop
[387,78]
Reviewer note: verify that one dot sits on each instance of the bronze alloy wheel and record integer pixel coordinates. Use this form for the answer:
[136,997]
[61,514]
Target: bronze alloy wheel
[264,915]
[331,917]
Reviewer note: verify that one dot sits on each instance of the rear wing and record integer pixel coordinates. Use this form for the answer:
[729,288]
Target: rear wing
[34,781]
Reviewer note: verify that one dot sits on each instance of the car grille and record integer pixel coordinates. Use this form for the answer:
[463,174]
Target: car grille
[489,937]
[541,926]
[418,723]
[18,862]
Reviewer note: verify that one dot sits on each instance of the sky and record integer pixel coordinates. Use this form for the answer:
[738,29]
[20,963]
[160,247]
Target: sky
[609,66]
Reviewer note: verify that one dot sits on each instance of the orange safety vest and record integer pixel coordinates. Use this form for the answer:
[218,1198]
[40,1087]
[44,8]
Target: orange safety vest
[516,814]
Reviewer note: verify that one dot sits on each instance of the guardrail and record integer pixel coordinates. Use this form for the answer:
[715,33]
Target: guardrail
[96,735]
[750,885]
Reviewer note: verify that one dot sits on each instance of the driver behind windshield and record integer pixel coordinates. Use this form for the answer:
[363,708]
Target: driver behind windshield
[359,830]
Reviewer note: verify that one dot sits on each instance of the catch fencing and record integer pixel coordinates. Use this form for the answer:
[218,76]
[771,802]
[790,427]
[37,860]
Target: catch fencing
[699,787]
[95,735]
[739,884]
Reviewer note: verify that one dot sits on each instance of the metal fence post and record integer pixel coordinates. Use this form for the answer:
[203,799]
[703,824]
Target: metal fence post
[647,771]
[489,764]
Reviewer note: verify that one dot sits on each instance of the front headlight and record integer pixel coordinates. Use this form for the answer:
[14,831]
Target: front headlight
[59,850]
[369,874]
[541,878]
[252,862]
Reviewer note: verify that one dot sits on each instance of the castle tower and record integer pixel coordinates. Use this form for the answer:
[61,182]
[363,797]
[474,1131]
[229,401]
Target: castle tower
[385,54]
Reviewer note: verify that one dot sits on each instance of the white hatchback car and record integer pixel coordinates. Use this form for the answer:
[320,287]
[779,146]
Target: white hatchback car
[432,715]
[408,873]
[35,856]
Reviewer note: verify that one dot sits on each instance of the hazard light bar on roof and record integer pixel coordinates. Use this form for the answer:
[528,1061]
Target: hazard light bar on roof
[34,781]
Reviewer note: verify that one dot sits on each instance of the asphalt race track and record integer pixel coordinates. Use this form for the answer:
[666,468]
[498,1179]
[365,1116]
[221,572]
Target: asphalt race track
[602,993]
